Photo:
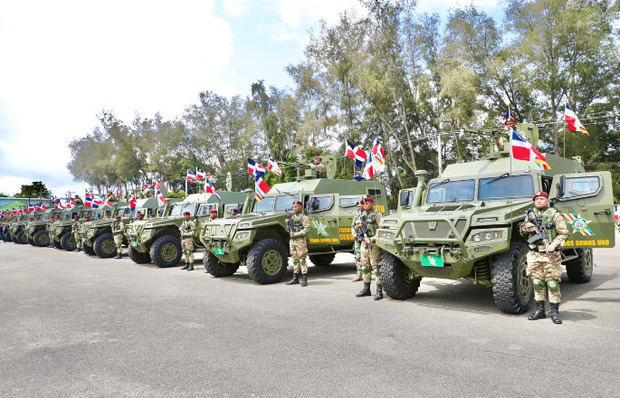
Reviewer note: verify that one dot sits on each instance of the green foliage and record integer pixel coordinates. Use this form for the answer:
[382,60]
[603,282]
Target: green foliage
[4,195]
[175,195]
[35,190]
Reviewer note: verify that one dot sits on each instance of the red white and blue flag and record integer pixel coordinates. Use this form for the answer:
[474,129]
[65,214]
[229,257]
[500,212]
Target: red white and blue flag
[31,208]
[21,211]
[191,176]
[273,166]
[209,188]
[354,152]
[104,201]
[255,168]
[378,156]
[161,200]
[200,174]
[89,200]
[261,187]
[132,202]
[38,206]
[574,124]
[521,149]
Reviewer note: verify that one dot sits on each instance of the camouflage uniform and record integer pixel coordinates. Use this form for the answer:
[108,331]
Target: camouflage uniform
[357,246]
[118,229]
[299,224]
[545,273]
[147,193]
[371,253]
[321,170]
[75,228]
[187,230]
[50,231]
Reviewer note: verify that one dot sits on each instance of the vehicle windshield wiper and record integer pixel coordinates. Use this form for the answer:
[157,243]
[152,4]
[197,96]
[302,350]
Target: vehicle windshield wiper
[447,180]
[499,177]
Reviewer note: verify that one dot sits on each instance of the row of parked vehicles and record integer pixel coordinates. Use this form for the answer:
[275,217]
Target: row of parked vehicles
[461,224]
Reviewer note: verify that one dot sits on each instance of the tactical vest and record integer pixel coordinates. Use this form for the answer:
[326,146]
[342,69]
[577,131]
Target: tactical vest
[371,223]
[186,226]
[116,227]
[296,222]
[547,222]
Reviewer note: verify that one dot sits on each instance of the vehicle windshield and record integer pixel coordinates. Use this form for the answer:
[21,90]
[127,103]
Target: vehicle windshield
[44,217]
[179,208]
[509,187]
[205,209]
[65,216]
[264,205]
[282,203]
[451,191]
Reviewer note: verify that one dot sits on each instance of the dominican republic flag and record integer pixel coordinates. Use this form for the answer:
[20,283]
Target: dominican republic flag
[117,191]
[161,200]
[1,214]
[209,188]
[89,200]
[261,187]
[573,121]
[521,149]
[105,201]
[132,202]
[509,121]
[200,173]
[255,168]
[191,176]
[272,165]
[31,208]
[156,184]
[14,211]
[57,204]
[354,152]
[21,211]
[44,207]
[38,206]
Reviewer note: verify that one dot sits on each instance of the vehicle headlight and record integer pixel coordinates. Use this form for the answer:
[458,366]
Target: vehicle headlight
[477,238]
[389,222]
[488,236]
[146,233]
[385,234]
[245,225]
[242,235]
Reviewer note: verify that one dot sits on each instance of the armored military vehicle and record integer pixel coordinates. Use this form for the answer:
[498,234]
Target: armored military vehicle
[63,237]
[158,240]
[37,235]
[258,237]
[464,224]
[17,229]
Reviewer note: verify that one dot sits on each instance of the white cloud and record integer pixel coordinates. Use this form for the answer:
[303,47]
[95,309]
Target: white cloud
[236,8]
[63,62]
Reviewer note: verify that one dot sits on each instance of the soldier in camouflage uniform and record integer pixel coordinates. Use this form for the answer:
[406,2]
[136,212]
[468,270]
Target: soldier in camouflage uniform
[319,167]
[546,272]
[298,225]
[77,200]
[75,229]
[371,254]
[50,231]
[187,229]
[355,231]
[118,229]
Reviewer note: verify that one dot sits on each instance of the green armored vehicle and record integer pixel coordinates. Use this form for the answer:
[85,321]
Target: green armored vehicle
[18,229]
[258,238]
[97,235]
[63,237]
[464,224]
[158,240]
[37,235]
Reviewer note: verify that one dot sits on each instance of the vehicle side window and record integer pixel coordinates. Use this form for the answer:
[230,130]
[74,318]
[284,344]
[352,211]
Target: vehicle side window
[320,203]
[205,209]
[578,186]
[374,192]
[348,202]
[546,184]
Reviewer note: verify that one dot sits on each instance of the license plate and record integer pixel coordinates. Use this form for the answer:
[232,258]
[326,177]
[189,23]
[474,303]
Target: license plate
[219,250]
[432,261]
[134,244]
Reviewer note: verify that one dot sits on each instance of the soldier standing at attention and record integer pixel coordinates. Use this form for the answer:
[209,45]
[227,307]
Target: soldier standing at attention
[298,225]
[187,229]
[51,230]
[546,272]
[212,214]
[319,167]
[75,229]
[371,254]
[118,228]
[77,200]
[356,246]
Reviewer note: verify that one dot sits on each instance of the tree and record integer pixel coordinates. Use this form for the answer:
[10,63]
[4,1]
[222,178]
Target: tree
[35,190]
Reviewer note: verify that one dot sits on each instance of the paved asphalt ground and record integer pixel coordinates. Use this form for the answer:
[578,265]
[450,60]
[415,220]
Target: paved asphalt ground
[73,325]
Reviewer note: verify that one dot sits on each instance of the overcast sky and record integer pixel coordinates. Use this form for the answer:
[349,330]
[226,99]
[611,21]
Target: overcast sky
[62,62]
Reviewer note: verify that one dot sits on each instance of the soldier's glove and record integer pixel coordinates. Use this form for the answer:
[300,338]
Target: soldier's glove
[367,241]
[293,234]
[528,227]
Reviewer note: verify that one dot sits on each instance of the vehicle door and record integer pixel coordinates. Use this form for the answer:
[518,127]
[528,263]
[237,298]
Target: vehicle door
[322,209]
[347,210]
[586,202]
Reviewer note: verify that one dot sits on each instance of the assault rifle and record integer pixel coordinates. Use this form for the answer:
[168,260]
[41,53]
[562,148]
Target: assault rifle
[540,233]
[361,232]
[287,223]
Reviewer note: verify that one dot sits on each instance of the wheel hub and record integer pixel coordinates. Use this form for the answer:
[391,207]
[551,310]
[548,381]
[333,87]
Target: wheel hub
[272,262]
[168,251]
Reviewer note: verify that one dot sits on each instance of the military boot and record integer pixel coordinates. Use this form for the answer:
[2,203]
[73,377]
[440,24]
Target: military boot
[295,280]
[365,291]
[76,250]
[539,313]
[554,312]
[191,267]
[379,294]
[304,280]
[118,256]
[186,266]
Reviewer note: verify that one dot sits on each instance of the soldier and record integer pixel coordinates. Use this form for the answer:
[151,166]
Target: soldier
[234,212]
[212,214]
[357,234]
[187,229]
[545,270]
[371,254]
[77,200]
[140,216]
[2,223]
[51,230]
[146,191]
[75,229]
[298,225]
[118,228]
[319,167]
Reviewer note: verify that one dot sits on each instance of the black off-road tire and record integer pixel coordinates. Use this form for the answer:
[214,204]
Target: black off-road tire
[103,242]
[30,241]
[262,251]
[38,241]
[322,260]
[20,238]
[57,245]
[395,277]
[88,250]
[216,268]
[67,241]
[510,283]
[8,237]
[579,270]
[137,257]
[156,251]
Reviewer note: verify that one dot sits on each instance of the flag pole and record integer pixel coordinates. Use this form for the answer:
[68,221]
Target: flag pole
[186,186]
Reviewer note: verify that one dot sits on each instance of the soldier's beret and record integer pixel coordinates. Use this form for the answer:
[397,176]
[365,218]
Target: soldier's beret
[118,217]
[298,202]
[187,213]
[318,157]
[213,210]
[540,193]
[369,199]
